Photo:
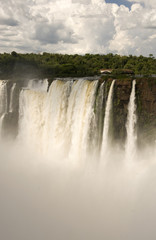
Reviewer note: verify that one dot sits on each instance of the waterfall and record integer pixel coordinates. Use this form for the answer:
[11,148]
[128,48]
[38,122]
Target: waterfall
[55,115]
[3,102]
[59,121]
[43,115]
[68,120]
[99,114]
[106,127]
[79,116]
[130,147]
[31,119]
[12,92]
[3,97]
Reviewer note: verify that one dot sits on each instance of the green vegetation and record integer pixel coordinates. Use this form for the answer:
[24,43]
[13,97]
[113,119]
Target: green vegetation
[58,65]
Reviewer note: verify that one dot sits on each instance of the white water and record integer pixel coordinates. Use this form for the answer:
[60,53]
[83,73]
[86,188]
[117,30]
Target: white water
[99,113]
[79,116]
[31,119]
[43,117]
[3,97]
[105,140]
[55,111]
[46,197]
[130,148]
[3,102]
[58,121]
[11,105]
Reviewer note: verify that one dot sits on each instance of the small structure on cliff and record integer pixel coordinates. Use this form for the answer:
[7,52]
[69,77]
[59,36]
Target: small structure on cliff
[106,71]
[116,71]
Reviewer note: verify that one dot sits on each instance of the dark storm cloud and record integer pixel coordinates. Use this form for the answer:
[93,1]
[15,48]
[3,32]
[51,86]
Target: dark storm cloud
[53,33]
[9,22]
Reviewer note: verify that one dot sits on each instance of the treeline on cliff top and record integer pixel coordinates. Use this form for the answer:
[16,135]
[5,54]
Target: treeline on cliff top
[49,65]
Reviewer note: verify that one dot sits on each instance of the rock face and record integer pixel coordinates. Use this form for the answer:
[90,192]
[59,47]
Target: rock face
[10,122]
[146,109]
[122,93]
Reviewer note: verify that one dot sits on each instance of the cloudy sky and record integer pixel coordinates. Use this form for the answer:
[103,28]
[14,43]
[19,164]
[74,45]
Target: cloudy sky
[78,26]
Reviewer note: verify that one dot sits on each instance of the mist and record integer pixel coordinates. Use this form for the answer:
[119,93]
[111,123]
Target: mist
[42,198]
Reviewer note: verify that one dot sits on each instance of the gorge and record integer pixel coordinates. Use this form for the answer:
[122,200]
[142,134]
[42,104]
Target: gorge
[78,159]
[78,102]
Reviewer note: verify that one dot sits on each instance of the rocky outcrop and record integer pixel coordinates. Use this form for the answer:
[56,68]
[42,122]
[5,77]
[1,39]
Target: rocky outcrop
[10,122]
[146,109]
[122,92]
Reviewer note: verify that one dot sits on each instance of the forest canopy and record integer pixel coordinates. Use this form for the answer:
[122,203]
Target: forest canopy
[49,65]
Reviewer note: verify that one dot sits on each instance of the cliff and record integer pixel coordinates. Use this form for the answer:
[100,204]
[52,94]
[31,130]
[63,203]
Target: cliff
[145,102]
[146,109]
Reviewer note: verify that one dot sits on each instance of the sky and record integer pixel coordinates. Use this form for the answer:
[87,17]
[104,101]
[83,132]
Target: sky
[78,26]
[121,2]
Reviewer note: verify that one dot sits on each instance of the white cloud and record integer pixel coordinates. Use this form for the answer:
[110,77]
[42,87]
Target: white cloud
[147,3]
[53,33]
[76,26]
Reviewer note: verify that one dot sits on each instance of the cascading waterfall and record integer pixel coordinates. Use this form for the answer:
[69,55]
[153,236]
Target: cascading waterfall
[80,115]
[130,148]
[11,105]
[105,139]
[42,114]
[3,102]
[31,119]
[55,111]
[68,119]
[58,121]
[98,120]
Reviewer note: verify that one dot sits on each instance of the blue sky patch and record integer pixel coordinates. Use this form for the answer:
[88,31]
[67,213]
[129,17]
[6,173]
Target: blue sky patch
[121,2]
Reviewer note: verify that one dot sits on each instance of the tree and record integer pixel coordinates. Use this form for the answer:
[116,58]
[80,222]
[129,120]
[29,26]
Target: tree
[14,54]
[151,55]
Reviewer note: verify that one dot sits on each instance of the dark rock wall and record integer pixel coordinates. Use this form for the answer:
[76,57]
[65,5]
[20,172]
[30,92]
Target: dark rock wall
[122,91]
[146,109]
[10,123]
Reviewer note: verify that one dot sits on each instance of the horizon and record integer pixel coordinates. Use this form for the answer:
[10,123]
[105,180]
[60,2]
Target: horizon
[101,54]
